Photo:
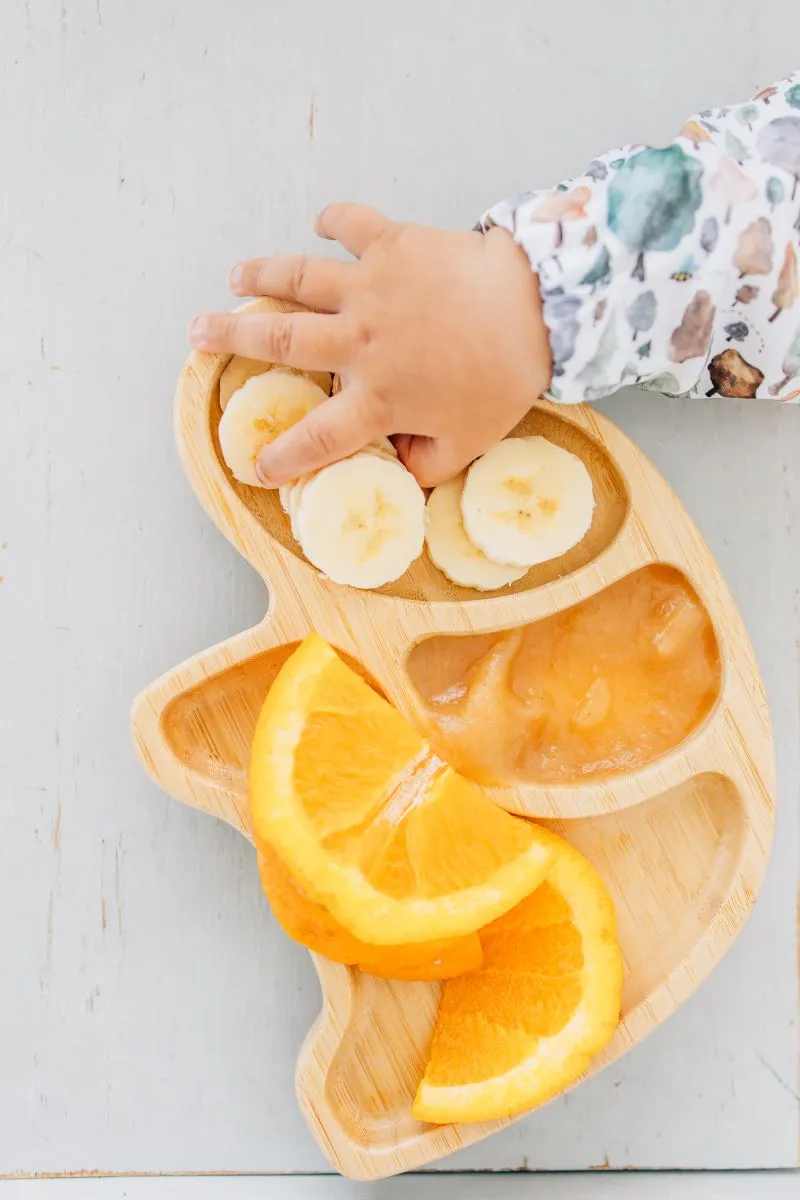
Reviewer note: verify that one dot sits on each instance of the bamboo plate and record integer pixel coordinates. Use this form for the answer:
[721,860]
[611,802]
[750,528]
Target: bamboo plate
[682,843]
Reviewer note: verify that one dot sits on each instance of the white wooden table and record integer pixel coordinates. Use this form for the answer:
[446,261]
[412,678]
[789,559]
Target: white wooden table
[150,1011]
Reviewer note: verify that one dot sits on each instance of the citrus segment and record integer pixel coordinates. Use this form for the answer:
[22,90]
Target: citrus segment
[336,787]
[458,839]
[526,1024]
[312,925]
[376,829]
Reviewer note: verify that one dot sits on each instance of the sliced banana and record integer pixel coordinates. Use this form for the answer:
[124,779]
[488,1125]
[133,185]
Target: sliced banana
[452,551]
[360,521]
[380,446]
[295,492]
[289,493]
[263,408]
[526,501]
[239,370]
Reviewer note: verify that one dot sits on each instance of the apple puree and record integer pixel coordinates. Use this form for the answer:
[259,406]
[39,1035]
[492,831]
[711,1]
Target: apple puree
[598,689]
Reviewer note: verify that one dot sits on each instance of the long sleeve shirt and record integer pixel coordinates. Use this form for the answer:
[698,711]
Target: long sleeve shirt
[676,267]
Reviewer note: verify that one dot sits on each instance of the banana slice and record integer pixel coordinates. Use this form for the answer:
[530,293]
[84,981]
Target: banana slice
[380,446]
[360,521]
[266,406]
[239,370]
[293,503]
[289,495]
[526,501]
[450,548]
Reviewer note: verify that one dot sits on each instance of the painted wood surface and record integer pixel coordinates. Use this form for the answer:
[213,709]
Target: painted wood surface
[153,1012]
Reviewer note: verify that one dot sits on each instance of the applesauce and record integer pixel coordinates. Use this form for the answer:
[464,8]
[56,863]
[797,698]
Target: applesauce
[598,689]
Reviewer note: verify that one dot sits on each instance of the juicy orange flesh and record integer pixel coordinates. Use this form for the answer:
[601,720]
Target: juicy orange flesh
[379,801]
[460,839]
[603,687]
[528,988]
[316,928]
[352,796]
[442,837]
[353,746]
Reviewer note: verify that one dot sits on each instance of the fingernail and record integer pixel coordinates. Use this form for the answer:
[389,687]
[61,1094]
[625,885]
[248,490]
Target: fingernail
[236,278]
[199,330]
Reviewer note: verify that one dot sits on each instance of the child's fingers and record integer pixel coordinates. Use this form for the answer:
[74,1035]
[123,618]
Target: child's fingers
[306,340]
[402,442]
[432,460]
[354,226]
[340,426]
[316,282]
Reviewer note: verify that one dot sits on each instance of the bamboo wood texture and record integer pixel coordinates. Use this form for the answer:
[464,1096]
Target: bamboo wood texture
[682,843]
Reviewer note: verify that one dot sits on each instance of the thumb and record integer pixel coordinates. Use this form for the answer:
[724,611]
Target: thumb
[431,460]
[338,427]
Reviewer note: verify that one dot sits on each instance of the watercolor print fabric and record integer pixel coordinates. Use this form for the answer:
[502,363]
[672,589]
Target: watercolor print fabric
[676,268]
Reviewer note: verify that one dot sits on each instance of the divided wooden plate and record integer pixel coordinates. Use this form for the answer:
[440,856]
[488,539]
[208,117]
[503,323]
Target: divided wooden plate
[681,843]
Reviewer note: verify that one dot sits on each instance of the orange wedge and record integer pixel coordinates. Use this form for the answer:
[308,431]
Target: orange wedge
[379,831]
[546,1000]
[312,925]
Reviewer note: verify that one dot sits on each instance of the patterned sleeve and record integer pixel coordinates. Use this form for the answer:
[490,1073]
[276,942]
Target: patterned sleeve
[675,268]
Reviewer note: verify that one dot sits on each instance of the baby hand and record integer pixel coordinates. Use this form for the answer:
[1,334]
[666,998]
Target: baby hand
[438,338]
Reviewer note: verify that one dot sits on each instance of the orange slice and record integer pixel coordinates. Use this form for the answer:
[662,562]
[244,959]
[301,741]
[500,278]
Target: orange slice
[546,1000]
[312,925]
[376,829]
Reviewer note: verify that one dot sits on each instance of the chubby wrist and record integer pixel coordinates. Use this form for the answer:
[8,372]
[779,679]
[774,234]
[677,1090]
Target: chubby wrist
[522,294]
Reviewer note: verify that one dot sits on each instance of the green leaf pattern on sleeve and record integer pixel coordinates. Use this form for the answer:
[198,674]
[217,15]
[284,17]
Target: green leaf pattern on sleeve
[676,268]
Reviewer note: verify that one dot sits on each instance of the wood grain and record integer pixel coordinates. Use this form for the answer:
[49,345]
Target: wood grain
[682,843]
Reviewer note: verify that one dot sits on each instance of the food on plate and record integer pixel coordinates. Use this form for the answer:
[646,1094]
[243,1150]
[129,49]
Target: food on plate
[450,549]
[239,370]
[375,853]
[545,1001]
[312,924]
[363,521]
[526,501]
[360,521]
[396,845]
[607,685]
[262,409]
